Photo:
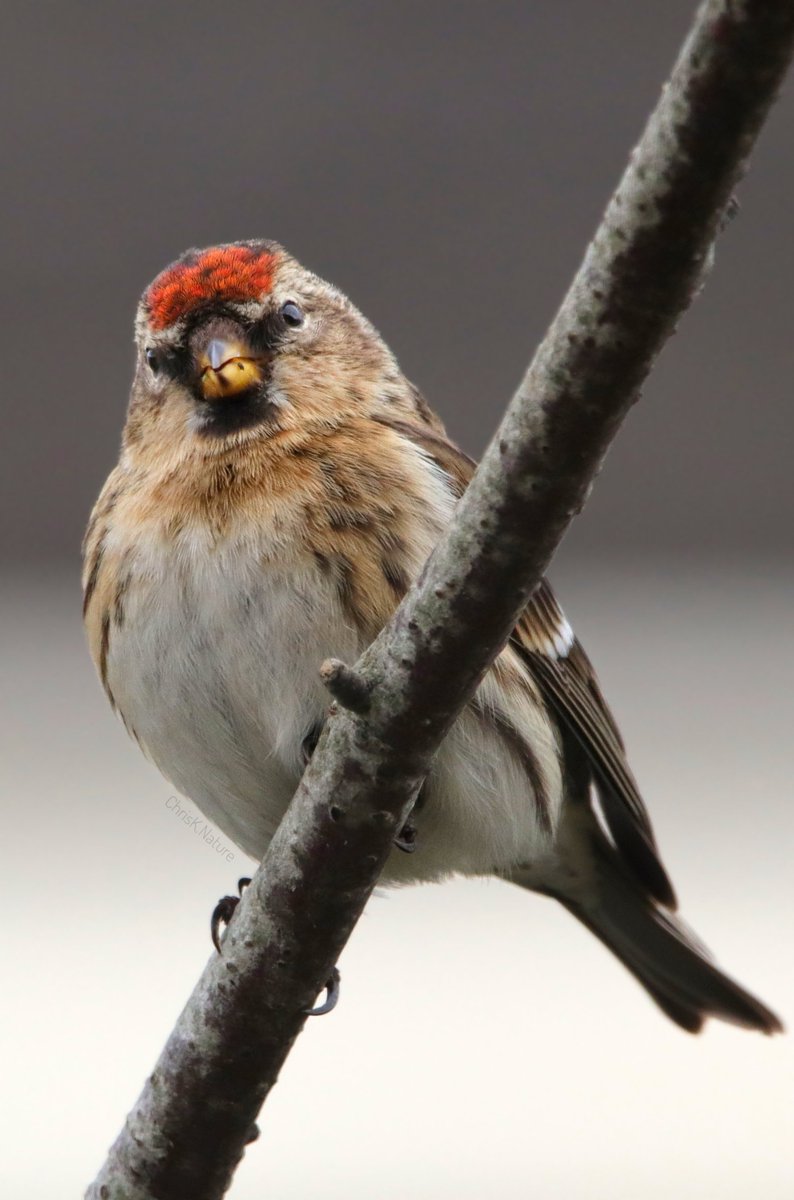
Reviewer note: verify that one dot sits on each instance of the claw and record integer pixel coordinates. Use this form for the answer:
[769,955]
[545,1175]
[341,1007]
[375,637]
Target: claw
[224,911]
[332,996]
[406,838]
[222,915]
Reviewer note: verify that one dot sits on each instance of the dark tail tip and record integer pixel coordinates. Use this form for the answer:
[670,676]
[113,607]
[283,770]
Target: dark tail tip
[659,951]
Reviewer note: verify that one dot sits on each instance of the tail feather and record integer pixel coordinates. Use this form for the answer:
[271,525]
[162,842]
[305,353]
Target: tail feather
[653,943]
[664,957]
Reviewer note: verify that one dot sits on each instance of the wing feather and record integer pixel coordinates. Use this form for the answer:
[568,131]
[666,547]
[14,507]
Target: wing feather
[566,678]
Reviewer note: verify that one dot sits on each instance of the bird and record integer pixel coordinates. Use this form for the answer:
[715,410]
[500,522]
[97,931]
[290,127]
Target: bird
[280,485]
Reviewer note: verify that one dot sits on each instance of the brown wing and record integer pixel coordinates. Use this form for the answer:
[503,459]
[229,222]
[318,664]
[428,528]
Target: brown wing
[566,678]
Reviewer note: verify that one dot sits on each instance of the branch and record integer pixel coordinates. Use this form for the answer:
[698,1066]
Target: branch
[188,1129]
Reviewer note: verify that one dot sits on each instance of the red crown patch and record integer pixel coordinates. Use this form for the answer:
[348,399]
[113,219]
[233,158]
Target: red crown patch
[235,273]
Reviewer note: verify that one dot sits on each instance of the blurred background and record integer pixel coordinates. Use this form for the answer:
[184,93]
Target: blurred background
[444,164]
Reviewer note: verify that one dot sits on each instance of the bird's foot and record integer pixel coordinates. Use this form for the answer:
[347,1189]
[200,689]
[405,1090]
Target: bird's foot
[406,838]
[331,996]
[222,915]
[224,910]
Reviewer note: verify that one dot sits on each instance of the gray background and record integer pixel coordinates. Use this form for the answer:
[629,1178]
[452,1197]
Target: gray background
[444,163]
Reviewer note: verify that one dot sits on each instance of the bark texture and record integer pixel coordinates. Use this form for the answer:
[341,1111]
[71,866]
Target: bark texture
[188,1129]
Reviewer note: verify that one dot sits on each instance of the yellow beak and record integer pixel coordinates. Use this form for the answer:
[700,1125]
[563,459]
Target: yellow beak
[227,368]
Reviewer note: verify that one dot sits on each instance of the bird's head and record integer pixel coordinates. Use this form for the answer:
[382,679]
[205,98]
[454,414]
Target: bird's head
[239,342]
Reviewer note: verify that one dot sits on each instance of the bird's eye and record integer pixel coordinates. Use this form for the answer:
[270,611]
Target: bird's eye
[153,360]
[292,314]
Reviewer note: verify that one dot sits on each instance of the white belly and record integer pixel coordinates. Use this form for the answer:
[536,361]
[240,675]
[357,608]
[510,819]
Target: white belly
[215,671]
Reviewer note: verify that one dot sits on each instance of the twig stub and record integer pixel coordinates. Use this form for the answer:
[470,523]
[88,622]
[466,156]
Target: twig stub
[346,686]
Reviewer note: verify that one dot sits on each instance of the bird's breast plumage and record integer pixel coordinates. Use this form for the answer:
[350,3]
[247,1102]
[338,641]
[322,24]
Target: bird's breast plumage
[215,591]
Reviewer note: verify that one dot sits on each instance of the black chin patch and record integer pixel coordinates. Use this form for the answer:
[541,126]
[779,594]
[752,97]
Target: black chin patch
[220,418]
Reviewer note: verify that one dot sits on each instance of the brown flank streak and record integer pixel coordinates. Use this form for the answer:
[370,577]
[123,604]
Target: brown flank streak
[93,575]
[104,646]
[524,753]
[347,590]
[395,577]
[121,590]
